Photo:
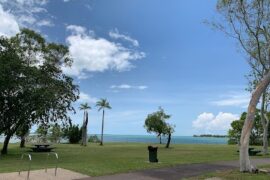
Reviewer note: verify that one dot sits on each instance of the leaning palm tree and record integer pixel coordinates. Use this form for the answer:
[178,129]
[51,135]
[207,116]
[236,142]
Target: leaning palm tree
[84,107]
[102,104]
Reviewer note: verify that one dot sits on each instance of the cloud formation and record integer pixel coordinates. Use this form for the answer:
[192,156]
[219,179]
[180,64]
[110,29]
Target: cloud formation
[116,35]
[28,13]
[8,25]
[84,97]
[233,99]
[93,54]
[208,122]
[126,86]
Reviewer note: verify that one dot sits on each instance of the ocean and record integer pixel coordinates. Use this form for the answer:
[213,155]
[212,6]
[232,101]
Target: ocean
[153,139]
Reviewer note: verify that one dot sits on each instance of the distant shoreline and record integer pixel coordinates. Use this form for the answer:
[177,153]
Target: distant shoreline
[211,135]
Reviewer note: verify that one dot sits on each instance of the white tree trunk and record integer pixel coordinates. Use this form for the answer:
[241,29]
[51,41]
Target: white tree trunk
[245,165]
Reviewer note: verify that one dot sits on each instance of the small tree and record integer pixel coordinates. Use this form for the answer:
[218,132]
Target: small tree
[42,132]
[55,133]
[155,123]
[103,104]
[234,132]
[73,133]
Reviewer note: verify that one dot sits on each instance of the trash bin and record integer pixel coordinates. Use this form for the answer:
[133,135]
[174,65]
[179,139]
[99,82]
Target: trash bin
[152,154]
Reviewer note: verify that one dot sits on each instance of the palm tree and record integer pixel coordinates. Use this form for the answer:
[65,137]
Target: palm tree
[84,107]
[103,104]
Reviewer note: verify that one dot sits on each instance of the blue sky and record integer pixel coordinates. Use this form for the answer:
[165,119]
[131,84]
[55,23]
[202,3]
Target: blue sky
[141,55]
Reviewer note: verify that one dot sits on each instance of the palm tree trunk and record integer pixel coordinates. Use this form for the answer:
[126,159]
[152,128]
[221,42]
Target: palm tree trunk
[84,130]
[102,128]
[245,165]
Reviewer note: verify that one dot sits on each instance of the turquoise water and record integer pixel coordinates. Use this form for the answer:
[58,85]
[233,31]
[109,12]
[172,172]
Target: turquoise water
[175,139]
[154,139]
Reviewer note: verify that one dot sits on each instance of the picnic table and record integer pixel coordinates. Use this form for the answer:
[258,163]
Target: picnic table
[42,148]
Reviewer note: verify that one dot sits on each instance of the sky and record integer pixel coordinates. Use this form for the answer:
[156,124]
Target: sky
[141,55]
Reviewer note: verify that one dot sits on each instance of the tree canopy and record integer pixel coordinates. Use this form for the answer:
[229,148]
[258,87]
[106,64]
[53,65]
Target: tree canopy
[33,88]
[156,123]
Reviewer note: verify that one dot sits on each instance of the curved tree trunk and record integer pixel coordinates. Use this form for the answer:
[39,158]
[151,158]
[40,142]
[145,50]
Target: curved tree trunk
[5,145]
[169,140]
[245,165]
[160,141]
[102,129]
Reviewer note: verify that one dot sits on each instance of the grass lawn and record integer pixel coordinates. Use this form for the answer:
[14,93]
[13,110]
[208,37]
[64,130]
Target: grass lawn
[95,160]
[233,175]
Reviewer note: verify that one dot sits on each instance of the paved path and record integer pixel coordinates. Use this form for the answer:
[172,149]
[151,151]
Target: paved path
[178,172]
[62,174]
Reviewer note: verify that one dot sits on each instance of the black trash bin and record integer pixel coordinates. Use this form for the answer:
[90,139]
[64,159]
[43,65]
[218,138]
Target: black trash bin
[152,154]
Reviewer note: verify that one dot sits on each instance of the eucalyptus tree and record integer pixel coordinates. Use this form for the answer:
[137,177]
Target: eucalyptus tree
[254,77]
[33,88]
[248,21]
[85,107]
[103,104]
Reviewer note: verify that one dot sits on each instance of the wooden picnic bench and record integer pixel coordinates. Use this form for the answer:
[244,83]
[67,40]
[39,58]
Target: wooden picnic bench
[42,148]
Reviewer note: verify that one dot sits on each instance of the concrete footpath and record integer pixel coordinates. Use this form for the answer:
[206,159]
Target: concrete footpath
[62,174]
[179,171]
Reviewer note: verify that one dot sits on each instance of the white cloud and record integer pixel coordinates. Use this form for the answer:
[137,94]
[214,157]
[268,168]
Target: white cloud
[208,122]
[233,99]
[92,54]
[126,86]
[28,13]
[45,22]
[116,35]
[84,97]
[8,25]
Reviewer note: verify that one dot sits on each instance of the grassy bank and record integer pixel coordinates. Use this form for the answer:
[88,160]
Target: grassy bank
[95,160]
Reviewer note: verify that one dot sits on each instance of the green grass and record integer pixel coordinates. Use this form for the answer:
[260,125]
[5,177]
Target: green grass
[232,175]
[95,160]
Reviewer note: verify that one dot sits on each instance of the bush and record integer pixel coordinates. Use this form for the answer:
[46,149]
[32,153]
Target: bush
[73,134]
[94,139]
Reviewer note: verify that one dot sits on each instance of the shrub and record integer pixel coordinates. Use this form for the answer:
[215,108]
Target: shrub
[73,134]
[94,139]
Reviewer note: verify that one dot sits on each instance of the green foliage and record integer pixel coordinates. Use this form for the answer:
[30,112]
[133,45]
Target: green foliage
[94,139]
[55,133]
[85,106]
[33,88]
[73,134]
[234,133]
[23,131]
[42,132]
[155,122]
[103,104]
